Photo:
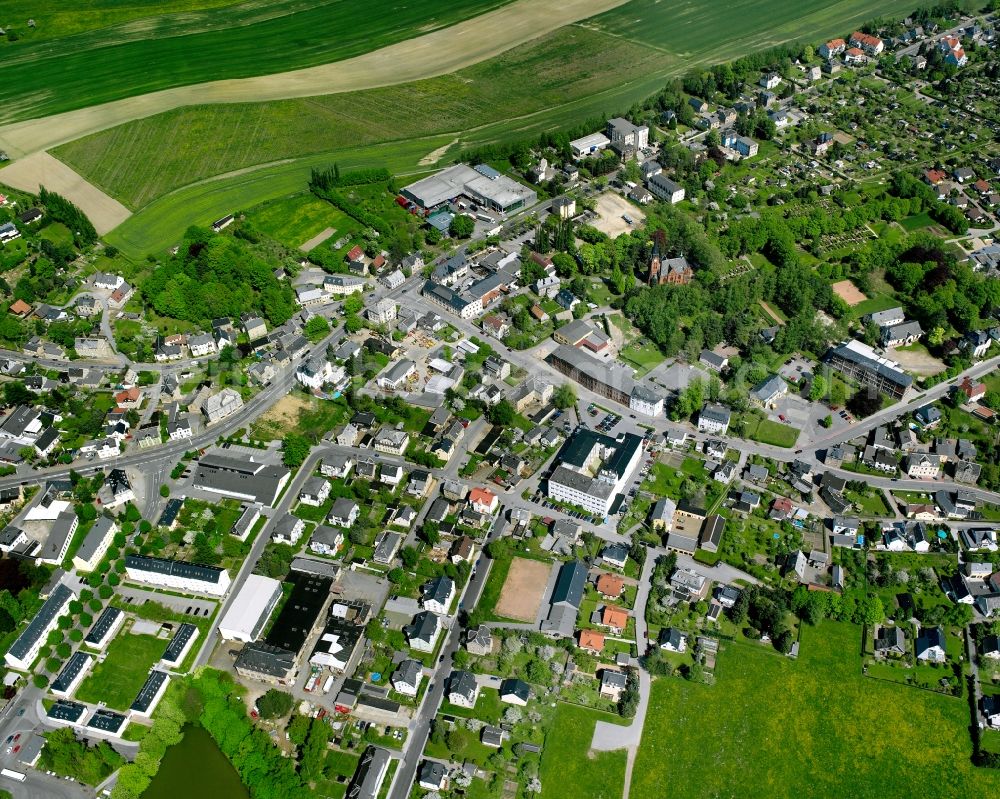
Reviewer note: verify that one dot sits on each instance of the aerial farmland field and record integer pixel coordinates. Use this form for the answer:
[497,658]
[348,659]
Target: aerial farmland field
[709,33]
[38,79]
[143,160]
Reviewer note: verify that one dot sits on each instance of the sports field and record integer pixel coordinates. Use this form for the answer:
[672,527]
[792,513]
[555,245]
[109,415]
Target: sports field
[523,589]
[238,41]
[812,727]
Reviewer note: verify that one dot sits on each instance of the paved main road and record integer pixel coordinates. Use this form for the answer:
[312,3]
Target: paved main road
[420,726]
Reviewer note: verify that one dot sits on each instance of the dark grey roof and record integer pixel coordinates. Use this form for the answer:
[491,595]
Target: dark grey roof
[48,436]
[263,658]
[62,528]
[438,590]
[896,376]
[614,679]
[170,512]
[64,710]
[432,772]
[50,610]
[94,538]
[929,637]
[408,672]
[518,688]
[106,720]
[231,476]
[179,568]
[462,682]
[615,552]
[570,584]
[149,690]
[423,627]
[178,642]
[324,534]
[104,623]
[77,662]
[117,481]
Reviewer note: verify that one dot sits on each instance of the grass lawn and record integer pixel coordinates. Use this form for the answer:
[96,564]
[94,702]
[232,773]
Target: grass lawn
[769,432]
[57,233]
[181,49]
[567,768]
[644,359]
[916,222]
[117,680]
[793,728]
[869,504]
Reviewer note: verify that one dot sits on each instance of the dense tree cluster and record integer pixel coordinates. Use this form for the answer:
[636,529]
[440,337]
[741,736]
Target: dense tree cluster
[214,276]
[62,210]
[67,756]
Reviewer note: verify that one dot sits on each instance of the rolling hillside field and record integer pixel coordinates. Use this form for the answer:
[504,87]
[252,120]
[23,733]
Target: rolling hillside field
[159,165]
[811,727]
[238,41]
[143,160]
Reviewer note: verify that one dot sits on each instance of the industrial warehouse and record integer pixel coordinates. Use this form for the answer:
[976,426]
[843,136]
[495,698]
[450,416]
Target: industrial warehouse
[481,184]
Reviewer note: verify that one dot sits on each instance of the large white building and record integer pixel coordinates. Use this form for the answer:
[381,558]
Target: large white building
[177,574]
[250,609]
[665,188]
[594,469]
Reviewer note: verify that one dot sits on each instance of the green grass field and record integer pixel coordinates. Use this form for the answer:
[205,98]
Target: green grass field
[707,33]
[294,220]
[643,359]
[568,770]
[239,41]
[117,680]
[812,727]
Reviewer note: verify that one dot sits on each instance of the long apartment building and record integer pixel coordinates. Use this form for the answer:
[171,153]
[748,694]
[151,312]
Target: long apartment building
[612,383]
[860,362]
[177,574]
